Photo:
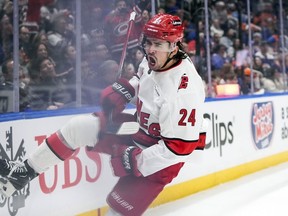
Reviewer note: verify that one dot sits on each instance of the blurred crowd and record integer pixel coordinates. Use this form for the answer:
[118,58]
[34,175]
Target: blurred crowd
[257,66]
[47,46]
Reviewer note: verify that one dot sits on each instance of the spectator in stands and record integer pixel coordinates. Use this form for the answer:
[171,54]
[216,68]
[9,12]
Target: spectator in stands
[274,44]
[266,19]
[60,36]
[6,37]
[23,58]
[233,21]
[227,68]
[264,54]
[228,41]
[24,39]
[256,43]
[48,92]
[219,11]
[246,82]
[38,51]
[215,28]
[7,8]
[48,9]
[94,82]
[230,78]
[40,37]
[215,41]
[257,64]
[263,26]
[7,71]
[237,46]
[93,13]
[116,27]
[67,66]
[37,10]
[137,56]
[41,51]
[96,54]
[219,57]
[128,70]
[145,16]
[97,37]
[267,79]
[106,75]
[37,39]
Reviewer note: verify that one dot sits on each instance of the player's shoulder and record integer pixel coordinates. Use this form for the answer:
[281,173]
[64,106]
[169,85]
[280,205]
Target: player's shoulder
[187,79]
[187,72]
[188,66]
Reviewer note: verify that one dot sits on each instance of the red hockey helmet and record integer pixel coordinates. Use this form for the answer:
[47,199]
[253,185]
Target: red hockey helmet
[165,27]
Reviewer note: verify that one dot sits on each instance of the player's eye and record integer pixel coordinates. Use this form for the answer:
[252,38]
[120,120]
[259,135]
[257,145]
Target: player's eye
[158,44]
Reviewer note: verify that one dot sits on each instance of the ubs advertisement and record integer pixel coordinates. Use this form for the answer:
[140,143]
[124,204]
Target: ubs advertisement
[239,131]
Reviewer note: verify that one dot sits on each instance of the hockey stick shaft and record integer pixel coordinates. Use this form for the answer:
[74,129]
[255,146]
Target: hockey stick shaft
[123,55]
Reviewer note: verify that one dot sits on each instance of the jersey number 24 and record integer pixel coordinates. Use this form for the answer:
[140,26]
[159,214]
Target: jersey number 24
[187,117]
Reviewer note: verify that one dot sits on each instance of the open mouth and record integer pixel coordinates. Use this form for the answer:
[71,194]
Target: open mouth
[152,61]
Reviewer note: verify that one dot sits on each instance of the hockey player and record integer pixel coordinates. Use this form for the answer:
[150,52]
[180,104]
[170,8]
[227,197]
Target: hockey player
[170,99]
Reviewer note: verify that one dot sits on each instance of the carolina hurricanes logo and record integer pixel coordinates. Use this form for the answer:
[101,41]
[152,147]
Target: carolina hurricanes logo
[121,29]
[184,82]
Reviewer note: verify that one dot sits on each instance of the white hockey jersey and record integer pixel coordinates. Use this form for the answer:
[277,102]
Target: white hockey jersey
[170,114]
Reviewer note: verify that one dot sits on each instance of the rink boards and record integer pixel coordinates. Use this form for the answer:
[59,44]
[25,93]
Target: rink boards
[245,135]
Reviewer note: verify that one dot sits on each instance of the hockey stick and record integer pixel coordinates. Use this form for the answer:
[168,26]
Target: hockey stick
[126,128]
[123,55]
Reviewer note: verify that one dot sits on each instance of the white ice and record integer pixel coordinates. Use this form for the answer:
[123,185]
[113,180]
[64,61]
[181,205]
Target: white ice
[264,193]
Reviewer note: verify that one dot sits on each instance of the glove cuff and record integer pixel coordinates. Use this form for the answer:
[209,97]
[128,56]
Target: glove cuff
[124,161]
[124,88]
[129,160]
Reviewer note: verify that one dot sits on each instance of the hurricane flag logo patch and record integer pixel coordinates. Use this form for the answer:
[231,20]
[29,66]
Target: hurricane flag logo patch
[184,82]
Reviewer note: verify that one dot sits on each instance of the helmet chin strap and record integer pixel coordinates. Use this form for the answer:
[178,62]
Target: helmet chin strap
[167,61]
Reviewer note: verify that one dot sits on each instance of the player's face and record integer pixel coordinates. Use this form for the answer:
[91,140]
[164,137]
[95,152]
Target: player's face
[158,52]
